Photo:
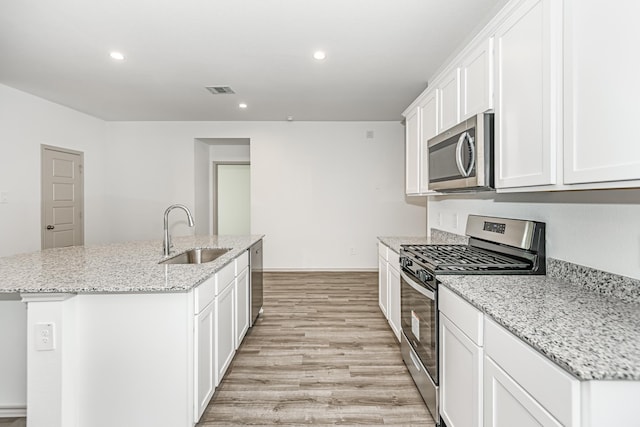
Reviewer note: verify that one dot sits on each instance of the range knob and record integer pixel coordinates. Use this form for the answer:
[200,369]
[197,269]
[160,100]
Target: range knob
[406,262]
[424,276]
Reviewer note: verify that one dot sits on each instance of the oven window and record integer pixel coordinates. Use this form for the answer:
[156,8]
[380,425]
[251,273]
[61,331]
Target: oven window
[419,315]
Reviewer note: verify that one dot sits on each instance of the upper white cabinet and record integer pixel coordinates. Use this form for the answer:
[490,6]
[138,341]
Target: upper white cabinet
[429,128]
[476,80]
[448,90]
[527,105]
[601,89]
[412,151]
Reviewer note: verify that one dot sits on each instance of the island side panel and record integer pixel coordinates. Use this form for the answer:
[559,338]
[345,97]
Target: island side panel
[135,359]
[13,356]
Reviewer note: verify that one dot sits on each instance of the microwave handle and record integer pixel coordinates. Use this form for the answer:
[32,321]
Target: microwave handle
[465,172]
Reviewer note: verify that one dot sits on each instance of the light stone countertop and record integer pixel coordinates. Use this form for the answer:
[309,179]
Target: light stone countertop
[117,267]
[586,321]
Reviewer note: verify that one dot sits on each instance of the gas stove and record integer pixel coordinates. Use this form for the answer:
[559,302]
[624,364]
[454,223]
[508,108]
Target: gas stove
[496,246]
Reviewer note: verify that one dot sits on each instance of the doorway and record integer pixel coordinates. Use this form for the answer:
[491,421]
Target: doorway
[231,198]
[62,197]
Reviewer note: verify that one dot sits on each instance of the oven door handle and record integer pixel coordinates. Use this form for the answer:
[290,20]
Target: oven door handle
[420,289]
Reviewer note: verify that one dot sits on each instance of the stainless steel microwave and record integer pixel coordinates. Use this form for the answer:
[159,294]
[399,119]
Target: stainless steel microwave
[461,159]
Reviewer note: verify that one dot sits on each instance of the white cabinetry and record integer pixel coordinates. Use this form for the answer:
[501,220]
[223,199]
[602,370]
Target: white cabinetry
[476,80]
[460,361]
[448,89]
[242,305]
[412,152]
[528,105]
[389,286]
[393,281]
[383,286]
[205,358]
[225,334]
[428,129]
[601,88]
[521,387]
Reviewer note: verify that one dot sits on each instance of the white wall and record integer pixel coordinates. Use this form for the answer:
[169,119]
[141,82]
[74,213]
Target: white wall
[599,229]
[202,205]
[319,189]
[26,122]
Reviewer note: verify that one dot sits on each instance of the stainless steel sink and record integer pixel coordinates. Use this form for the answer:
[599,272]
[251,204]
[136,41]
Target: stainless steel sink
[196,256]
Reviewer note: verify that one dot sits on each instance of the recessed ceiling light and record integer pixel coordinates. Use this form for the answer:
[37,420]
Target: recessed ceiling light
[242,105]
[319,55]
[117,56]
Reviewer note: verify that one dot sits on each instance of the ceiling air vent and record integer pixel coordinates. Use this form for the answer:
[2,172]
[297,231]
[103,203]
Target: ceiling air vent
[220,90]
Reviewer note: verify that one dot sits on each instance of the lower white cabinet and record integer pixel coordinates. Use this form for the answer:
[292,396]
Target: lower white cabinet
[205,358]
[383,288]
[507,404]
[393,281]
[389,286]
[242,305]
[225,333]
[539,380]
[461,355]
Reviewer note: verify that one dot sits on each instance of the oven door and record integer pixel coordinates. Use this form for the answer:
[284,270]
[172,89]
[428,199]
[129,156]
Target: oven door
[419,314]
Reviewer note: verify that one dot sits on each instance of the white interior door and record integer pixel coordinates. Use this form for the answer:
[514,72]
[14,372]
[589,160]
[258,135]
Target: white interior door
[232,206]
[62,198]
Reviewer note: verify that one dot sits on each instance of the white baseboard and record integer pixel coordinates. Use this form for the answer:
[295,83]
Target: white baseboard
[13,412]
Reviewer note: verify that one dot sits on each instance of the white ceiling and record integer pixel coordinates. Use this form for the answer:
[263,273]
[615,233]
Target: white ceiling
[380,54]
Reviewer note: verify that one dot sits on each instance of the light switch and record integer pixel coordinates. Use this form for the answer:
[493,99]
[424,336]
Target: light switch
[45,336]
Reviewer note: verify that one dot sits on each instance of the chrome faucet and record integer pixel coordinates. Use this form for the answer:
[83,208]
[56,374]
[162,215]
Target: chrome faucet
[166,245]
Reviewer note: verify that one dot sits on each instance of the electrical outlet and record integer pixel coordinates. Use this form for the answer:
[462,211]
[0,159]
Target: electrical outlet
[45,336]
[352,251]
[4,197]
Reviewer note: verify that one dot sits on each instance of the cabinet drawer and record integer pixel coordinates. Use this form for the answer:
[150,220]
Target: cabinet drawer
[394,259]
[204,294]
[225,277]
[382,251]
[242,262]
[556,390]
[465,316]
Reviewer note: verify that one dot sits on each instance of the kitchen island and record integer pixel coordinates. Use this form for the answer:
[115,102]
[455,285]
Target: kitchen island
[114,338]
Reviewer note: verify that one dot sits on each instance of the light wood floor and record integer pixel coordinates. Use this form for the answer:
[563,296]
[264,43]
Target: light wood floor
[322,353]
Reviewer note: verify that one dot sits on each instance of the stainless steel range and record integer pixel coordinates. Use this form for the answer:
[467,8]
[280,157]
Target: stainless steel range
[496,246]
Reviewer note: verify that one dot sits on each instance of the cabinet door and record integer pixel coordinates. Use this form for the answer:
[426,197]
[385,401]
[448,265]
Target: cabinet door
[527,107]
[449,100]
[601,91]
[460,377]
[242,306]
[393,281]
[383,290]
[429,129]
[205,359]
[225,334]
[476,81]
[412,152]
[506,404]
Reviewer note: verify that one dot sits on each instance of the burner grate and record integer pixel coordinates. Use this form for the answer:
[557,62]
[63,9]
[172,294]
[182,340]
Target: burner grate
[465,258]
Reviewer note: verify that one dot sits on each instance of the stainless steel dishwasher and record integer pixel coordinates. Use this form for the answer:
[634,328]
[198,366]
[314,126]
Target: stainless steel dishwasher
[255,263]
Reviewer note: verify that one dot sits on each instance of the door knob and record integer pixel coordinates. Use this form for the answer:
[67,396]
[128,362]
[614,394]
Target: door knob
[50,227]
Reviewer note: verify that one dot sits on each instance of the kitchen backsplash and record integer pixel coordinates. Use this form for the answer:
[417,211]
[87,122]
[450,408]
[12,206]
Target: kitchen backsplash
[621,287]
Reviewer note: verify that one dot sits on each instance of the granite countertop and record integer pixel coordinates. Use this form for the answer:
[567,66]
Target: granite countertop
[586,321]
[591,335]
[117,267]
